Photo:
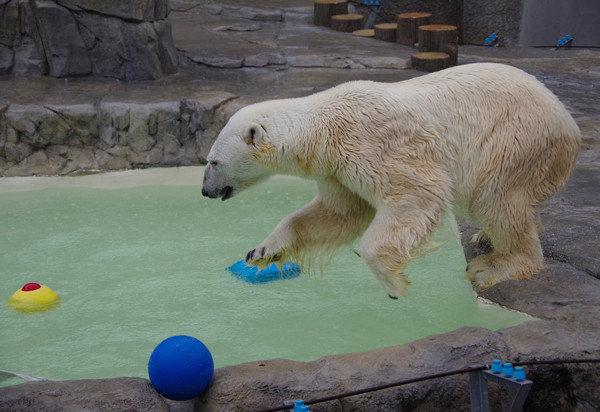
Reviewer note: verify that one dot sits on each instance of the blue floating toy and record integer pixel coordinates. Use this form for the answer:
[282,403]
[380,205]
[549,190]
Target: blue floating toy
[180,368]
[252,274]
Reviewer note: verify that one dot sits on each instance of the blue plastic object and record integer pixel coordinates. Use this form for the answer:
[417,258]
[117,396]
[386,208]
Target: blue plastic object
[252,274]
[565,41]
[508,370]
[519,374]
[299,406]
[478,385]
[180,368]
[496,366]
[491,40]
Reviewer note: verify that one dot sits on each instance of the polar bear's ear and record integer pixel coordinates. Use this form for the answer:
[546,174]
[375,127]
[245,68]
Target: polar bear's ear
[252,133]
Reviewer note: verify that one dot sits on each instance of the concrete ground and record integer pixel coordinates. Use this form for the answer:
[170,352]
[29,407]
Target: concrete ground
[261,49]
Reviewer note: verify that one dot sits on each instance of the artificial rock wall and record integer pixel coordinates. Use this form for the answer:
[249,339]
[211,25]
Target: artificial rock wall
[64,139]
[127,40]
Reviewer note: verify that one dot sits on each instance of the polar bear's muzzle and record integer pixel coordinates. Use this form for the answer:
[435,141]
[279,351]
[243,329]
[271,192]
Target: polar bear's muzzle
[215,186]
[224,193]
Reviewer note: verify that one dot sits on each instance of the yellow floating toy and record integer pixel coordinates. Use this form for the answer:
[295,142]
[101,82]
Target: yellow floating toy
[33,297]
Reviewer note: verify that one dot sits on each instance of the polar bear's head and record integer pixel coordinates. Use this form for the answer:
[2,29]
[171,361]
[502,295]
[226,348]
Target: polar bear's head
[234,160]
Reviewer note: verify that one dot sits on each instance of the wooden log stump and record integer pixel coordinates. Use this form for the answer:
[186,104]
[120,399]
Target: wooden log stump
[430,61]
[364,33]
[347,22]
[324,9]
[408,23]
[439,38]
[386,31]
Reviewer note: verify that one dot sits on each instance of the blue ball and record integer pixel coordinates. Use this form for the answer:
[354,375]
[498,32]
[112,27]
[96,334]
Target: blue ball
[180,368]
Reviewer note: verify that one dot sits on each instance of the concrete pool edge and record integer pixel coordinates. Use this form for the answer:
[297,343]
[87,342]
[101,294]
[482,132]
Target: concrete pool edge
[565,296]
[122,179]
[260,385]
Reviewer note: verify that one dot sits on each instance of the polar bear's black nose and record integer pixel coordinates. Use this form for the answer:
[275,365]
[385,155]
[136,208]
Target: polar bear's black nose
[209,193]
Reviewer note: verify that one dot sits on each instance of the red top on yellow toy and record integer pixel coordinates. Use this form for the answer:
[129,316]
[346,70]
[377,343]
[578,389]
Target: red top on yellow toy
[33,297]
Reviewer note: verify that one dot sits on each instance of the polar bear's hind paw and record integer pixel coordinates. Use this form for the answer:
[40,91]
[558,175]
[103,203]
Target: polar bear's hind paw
[487,270]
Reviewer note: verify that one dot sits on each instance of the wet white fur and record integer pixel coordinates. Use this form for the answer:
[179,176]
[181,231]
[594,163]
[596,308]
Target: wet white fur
[486,140]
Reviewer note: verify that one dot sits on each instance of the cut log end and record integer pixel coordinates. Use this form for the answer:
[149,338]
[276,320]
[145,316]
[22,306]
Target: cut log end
[438,27]
[430,61]
[364,33]
[417,15]
[347,22]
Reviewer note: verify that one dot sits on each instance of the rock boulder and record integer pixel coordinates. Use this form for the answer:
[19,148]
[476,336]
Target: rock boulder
[68,38]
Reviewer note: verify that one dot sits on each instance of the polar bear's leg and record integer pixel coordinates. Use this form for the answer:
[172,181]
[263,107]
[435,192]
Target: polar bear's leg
[482,241]
[392,240]
[513,226]
[333,218]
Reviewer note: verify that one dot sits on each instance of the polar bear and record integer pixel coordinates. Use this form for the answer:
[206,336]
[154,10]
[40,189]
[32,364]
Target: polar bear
[486,141]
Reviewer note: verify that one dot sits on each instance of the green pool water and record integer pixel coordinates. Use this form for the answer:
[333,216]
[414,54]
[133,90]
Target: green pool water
[140,256]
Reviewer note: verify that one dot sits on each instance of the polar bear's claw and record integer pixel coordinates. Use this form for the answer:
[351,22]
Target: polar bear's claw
[482,241]
[260,257]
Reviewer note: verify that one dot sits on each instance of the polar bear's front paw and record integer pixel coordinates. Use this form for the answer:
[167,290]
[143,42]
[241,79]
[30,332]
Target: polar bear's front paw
[262,257]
